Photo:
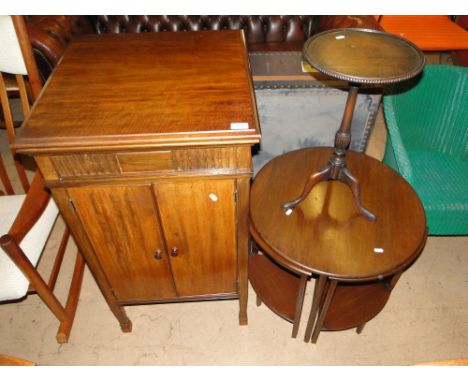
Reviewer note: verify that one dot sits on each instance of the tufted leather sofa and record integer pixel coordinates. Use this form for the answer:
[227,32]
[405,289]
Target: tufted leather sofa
[50,35]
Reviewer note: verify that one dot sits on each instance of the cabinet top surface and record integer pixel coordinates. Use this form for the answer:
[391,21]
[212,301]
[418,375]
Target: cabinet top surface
[326,234]
[144,89]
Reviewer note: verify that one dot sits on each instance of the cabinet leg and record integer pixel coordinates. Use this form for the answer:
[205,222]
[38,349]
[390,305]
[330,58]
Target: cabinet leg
[126,327]
[121,315]
[243,246]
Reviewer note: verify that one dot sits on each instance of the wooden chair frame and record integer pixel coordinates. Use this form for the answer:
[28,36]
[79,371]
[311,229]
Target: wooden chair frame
[37,199]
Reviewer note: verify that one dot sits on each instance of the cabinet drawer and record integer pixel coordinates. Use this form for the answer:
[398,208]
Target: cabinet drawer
[212,159]
[77,165]
[142,162]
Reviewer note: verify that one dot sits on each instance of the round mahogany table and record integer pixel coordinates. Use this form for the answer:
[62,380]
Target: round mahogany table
[356,262]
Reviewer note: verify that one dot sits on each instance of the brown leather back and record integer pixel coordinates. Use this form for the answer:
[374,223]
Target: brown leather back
[258,29]
[50,35]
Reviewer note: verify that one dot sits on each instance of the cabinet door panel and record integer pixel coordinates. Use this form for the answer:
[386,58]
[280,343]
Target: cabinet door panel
[198,218]
[122,225]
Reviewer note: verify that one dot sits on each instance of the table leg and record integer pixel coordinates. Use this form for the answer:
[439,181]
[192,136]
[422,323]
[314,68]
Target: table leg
[394,279]
[299,303]
[324,310]
[390,286]
[318,290]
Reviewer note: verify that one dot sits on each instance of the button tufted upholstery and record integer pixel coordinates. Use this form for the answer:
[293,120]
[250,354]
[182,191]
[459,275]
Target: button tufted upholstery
[258,29]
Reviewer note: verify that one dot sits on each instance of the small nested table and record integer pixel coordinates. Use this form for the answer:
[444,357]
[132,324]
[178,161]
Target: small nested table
[356,261]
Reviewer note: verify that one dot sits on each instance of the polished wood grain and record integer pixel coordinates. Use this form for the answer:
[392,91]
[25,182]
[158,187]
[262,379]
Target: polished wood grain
[122,225]
[145,161]
[88,164]
[182,160]
[69,214]
[48,170]
[140,155]
[207,159]
[198,220]
[358,261]
[145,89]
[355,304]
[343,244]
[279,291]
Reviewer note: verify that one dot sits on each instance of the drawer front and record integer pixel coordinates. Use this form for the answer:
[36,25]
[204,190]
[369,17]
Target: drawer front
[214,160]
[73,165]
[143,162]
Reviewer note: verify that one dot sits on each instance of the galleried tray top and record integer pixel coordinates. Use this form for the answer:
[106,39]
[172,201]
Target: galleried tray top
[148,90]
[363,56]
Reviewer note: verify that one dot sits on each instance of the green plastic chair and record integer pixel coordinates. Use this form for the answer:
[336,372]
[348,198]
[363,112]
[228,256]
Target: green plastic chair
[428,144]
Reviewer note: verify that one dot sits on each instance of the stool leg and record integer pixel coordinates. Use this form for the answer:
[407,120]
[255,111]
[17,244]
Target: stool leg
[259,301]
[324,310]
[360,328]
[318,290]
[299,303]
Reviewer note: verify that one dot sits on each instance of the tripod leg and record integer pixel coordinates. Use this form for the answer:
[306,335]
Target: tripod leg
[315,178]
[352,182]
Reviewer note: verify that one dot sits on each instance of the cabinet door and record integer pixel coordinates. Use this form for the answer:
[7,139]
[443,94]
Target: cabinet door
[122,225]
[198,219]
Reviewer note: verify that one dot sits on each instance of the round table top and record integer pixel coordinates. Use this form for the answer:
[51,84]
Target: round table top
[326,234]
[364,56]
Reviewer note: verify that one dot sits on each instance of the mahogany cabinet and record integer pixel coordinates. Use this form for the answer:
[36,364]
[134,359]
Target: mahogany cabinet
[145,143]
